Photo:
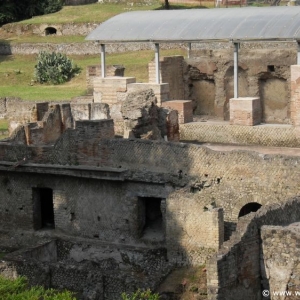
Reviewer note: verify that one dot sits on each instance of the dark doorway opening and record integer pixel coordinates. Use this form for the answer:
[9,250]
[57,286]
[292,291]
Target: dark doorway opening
[50,30]
[43,210]
[150,218]
[248,208]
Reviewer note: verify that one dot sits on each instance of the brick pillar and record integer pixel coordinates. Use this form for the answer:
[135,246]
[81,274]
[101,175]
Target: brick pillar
[245,111]
[295,95]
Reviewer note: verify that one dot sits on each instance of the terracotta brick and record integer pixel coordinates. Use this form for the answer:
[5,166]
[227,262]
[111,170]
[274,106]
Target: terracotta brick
[245,111]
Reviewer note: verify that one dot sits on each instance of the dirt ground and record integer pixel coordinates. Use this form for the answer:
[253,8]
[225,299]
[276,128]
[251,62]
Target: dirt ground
[185,284]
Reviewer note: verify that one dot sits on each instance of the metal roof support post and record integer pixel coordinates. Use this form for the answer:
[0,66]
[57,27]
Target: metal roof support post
[157,70]
[235,70]
[103,66]
[298,53]
[189,49]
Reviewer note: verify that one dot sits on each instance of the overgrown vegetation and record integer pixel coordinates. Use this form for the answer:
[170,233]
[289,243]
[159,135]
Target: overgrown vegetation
[16,74]
[19,289]
[54,68]
[15,10]
[141,295]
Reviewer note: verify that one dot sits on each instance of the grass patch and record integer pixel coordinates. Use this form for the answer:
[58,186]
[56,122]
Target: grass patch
[18,289]
[3,126]
[89,13]
[16,74]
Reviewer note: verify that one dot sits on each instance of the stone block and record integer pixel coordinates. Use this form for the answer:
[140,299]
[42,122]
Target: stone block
[108,88]
[161,90]
[245,111]
[184,108]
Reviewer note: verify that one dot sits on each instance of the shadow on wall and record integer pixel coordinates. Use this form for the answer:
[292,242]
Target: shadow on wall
[274,95]
[5,50]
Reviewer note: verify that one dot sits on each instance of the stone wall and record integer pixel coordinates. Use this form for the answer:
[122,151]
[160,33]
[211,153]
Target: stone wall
[237,269]
[79,2]
[92,270]
[213,131]
[194,228]
[263,73]
[40,29]
[230,178]
[172,73]
[85,48]
[280,259]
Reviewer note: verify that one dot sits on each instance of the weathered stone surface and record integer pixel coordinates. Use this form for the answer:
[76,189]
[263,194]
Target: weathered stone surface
[141,114]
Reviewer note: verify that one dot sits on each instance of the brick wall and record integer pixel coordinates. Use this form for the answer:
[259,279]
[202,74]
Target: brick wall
[194,229]
[171,72]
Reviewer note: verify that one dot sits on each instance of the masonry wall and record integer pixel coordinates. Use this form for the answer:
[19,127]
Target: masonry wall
[172,73]
[208,80]
[105,210]
[280,265]
[231,179]
[235,272]
[194,228]
[109,271]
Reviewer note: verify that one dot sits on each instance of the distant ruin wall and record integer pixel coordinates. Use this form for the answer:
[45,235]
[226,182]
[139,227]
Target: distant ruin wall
[235,272]
[85,48]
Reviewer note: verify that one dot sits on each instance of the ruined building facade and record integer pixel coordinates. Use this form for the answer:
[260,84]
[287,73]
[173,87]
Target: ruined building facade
[99,196]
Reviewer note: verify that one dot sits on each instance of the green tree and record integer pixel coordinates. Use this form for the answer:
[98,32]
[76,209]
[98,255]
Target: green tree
[15,10]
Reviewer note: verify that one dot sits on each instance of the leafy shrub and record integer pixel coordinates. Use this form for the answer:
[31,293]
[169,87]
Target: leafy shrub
[51,6]
[18,289]
[140,295]
[54,68]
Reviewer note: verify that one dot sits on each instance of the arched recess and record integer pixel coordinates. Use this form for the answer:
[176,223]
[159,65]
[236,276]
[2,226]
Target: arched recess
[50,30]
[274,95]
[248,208]
[204,93]
[229,88]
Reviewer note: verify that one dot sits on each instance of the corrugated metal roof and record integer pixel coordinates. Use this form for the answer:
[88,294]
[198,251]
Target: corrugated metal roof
[192,25]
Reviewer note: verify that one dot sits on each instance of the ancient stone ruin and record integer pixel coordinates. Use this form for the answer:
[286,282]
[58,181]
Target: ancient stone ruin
[122,188]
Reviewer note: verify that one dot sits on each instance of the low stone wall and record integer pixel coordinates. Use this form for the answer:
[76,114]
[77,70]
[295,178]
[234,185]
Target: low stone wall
[272,135]
[79,2]
[92,270]
[235,272]
[87,48]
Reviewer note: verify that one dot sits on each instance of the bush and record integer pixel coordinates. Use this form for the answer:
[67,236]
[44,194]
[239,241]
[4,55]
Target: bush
[54,68]
[140,295]
[51,6]
[19,289]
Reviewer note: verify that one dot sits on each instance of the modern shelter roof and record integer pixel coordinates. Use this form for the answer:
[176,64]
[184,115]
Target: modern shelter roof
[195,25]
